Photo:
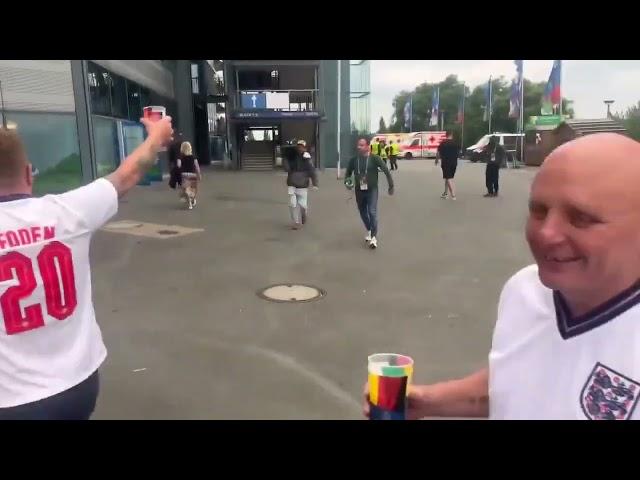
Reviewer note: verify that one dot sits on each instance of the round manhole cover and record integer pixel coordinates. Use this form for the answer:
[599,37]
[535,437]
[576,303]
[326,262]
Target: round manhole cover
[168,232]
[123,225]
[291,293]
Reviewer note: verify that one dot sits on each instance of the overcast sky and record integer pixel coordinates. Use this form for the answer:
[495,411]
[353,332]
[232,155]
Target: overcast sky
[586,82]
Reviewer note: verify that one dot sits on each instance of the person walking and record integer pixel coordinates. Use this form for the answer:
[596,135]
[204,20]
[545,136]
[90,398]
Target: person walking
[495,159]
[190,173]
[384,151]
[448,156]
[394,151]
[365,166]
[300,171]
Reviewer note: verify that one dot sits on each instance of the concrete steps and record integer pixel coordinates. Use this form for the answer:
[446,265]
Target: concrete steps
[257,162]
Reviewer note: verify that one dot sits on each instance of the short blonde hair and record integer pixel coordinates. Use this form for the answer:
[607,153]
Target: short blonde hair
[185,148]
[13,156]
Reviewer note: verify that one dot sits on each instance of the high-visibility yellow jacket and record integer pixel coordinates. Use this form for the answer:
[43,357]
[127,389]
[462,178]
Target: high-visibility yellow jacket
[395,149]
[383,151]
[375,147]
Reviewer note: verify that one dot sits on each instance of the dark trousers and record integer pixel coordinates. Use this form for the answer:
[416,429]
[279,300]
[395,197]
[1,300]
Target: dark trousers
[77,403]
[368,207]
[493,177]
[394,162]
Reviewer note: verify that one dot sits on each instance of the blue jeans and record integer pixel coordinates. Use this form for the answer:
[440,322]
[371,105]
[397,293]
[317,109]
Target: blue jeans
[76,403]
[368,206]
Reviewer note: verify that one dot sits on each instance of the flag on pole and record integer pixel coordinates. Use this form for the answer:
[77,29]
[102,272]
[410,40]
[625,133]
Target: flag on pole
[407,112]
[514,100]
[552,96]
[516,92]
[488,97]
[435,108]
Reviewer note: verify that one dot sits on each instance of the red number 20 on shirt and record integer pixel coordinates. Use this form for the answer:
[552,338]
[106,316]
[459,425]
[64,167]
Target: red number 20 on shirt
[61,302]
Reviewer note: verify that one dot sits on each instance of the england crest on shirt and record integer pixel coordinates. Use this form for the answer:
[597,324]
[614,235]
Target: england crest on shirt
[609,395]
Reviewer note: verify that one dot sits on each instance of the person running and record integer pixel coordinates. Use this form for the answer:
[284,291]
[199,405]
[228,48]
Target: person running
[365,166]
[51,346]
[190,172]
[448,156]
[300,171]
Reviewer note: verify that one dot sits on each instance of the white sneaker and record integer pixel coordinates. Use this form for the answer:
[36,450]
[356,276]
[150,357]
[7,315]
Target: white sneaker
[368,237]
[373,244]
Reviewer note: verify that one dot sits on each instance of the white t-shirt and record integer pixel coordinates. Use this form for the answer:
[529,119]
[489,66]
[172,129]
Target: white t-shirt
[548,366]
[49,338]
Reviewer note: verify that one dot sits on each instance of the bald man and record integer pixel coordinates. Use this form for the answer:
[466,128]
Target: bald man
[566,344]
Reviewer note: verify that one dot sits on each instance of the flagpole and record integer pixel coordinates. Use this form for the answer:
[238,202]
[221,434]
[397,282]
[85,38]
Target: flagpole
[462,134]
[490,107]
[560,77]
[411,113]
[4,120]
[522,112]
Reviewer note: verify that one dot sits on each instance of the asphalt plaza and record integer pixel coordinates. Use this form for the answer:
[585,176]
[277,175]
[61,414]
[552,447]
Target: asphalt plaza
[190,338]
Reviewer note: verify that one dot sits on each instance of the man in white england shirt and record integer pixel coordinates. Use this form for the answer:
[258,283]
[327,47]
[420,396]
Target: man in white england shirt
[566,344]
[50,344]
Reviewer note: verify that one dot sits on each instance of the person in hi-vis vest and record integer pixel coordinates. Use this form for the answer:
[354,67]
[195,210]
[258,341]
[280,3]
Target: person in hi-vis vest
[394,151]
[375,147]
[383,150]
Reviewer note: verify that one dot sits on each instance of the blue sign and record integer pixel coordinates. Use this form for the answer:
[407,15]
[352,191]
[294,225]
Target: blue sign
[275,114]
[254,100]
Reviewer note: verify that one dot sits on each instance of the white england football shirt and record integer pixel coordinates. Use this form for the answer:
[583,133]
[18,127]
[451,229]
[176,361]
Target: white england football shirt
[546,364]
[49,338]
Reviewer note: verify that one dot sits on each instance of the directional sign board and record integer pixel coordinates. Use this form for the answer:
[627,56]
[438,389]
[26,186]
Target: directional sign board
[275,114]
[254,100]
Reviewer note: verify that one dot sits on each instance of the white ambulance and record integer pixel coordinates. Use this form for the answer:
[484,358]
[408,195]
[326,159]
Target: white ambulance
[422,144]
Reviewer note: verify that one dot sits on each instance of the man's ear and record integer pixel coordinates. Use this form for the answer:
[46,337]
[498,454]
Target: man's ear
[29,175]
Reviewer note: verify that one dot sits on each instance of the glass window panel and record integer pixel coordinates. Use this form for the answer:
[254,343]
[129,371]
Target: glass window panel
[145,99]
[105,135]
[51,141]
[134,101]
[99,89]
[119,97]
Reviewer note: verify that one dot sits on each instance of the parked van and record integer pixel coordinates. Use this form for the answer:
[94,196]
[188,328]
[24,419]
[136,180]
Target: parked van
[511,142]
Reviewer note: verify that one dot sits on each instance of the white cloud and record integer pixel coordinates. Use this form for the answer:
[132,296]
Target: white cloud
[586,82]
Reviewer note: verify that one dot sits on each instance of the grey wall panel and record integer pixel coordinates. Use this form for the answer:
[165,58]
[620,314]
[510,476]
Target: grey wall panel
[149,73]
[292,78]
[37,85]
[184,99]
[328,86]
[298,129]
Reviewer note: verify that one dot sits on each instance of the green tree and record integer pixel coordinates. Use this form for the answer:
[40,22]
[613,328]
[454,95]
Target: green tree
[631,120]
[474,125]
[383,126]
